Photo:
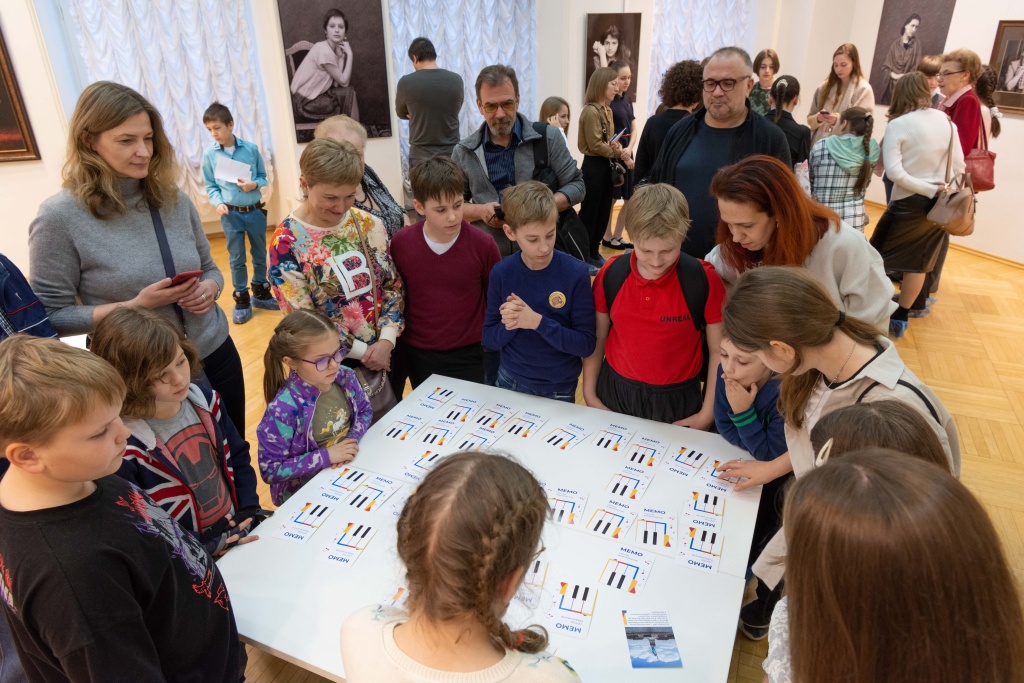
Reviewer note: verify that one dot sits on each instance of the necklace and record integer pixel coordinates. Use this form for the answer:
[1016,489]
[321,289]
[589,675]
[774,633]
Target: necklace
[836,378]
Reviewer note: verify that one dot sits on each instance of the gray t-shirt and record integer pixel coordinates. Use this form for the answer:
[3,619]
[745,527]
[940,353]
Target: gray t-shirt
[431,98]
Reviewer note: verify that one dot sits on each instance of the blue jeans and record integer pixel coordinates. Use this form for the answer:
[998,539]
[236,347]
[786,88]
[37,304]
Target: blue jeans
[506,381]
[236,226]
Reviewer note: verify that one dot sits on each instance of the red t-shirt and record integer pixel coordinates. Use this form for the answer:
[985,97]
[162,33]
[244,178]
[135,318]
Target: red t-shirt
[652,339]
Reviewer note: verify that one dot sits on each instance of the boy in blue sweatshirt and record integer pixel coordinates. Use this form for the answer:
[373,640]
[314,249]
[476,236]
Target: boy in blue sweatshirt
[540,307]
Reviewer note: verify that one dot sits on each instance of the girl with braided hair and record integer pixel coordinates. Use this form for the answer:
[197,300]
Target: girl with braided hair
[466,537]
[783,98]
[841,166]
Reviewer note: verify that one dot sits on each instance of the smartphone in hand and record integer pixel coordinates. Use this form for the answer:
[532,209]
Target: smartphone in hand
[181,278]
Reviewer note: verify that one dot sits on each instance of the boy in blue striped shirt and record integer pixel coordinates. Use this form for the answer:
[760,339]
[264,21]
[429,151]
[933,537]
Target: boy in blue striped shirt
[241,211]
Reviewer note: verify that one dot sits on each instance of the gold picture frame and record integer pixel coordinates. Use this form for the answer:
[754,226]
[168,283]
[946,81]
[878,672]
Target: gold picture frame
[1008,62]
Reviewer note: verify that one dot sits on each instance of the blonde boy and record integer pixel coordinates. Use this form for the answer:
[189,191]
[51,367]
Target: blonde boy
[97,581]
[651,347]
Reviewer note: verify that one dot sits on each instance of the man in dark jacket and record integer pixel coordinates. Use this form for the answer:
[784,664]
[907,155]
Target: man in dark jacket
[722,133]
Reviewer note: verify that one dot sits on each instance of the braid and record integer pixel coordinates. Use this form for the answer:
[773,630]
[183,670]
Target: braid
[864,176]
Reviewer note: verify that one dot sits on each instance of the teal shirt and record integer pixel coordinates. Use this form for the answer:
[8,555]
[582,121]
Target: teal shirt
[222,192]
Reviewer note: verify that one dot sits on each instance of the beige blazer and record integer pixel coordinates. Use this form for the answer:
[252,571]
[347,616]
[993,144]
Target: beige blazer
[857,94]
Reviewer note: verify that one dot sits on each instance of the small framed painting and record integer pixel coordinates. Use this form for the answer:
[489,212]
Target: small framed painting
[17,143]
[1008,61]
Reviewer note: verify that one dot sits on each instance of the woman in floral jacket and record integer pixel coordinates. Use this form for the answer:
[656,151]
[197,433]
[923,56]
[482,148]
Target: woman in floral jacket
[329,257]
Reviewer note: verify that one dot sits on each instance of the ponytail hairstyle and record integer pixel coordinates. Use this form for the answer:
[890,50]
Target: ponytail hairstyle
[472,522]
[787,304]
[784,90]
[291,338]
[861,122]
[984,89]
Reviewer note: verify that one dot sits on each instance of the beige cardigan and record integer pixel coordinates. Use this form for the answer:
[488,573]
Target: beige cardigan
[857,94]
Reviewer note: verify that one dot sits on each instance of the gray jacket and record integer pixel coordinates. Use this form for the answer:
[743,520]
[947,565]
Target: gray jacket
[469,155]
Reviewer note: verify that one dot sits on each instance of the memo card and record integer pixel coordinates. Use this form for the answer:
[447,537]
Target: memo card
[612,438]
[573,608]
[567,504]
[655,530]
[349,543]
[420,465]
[530,590]
[706,502]
[370,494]
[611,520]
[461,410]
[476,439]
[404,427]
[493,416]
[396,597]
[303,522]
[564,437]
[345,479]
[715,479]
[646,452]
[701,548]
[396,502]
[524,424]
[627,570]
[436,398]
[651,640]
[629,483]
[441,432]
[686,462]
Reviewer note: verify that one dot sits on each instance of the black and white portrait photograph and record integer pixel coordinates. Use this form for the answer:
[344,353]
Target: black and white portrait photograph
[613,38]
[908,30]
[1008,61]
[334,53]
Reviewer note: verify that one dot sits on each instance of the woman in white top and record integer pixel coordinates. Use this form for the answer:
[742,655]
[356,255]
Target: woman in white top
[466,537]
[768,220]
[914,151]
[321,86]
[845,87]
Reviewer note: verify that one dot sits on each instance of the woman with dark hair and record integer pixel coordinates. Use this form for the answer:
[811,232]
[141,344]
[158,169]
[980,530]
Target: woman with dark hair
[680,93]
[782,100]
[321,84]
[766,219]
[624,122]
[984,88]
[844,87]
[903,56]
[766,64]
[608,48]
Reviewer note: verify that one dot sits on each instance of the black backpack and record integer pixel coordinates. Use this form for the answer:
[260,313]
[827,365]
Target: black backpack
[571,236]
[693,281]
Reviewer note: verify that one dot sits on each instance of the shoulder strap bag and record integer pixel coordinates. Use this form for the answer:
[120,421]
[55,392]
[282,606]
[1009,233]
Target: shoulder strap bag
[617,169]
[954,209]
[165,256]
[981,163]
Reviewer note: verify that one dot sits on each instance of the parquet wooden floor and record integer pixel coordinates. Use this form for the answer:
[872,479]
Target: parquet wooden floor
[970,350]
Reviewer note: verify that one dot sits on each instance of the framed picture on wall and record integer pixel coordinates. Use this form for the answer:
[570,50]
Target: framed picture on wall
[334,54]
[612,38]
[17,143]
[1008,61]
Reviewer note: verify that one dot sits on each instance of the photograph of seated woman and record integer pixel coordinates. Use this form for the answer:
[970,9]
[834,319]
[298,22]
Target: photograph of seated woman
[321,84]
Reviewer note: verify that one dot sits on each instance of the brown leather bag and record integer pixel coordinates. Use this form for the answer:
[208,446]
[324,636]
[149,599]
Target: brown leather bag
[981,164]
[954,209]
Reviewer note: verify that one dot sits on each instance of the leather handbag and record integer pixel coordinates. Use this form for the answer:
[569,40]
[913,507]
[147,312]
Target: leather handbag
[981,164]
[954,209]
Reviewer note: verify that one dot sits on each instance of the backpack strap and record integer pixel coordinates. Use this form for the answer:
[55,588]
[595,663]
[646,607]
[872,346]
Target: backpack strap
[540,147]
[908,385]
[693,282]
[614,277]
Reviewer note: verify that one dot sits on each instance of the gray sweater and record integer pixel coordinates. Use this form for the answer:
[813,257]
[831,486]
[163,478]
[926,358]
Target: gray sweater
[79,262]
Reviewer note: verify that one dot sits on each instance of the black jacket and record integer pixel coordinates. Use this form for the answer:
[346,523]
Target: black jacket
[797,135]
[655,130]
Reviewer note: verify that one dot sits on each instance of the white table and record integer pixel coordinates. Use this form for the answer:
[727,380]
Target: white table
[291,603]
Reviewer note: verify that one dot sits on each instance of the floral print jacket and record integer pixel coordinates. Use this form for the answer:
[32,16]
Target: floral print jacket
[345,272]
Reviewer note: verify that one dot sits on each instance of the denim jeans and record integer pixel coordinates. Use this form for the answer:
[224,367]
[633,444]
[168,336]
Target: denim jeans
[236,226]
[506,381]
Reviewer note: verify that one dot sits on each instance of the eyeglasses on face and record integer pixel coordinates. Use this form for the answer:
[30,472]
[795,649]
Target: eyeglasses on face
[323,362]
[491,107]
[946,74]
[726,84]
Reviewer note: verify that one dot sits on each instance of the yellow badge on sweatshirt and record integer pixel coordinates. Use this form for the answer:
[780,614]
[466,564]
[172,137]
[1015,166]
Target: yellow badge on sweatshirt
[556,300]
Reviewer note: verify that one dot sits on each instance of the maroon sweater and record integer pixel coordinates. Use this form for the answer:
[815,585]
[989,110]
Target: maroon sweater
[966,114]
[446,295]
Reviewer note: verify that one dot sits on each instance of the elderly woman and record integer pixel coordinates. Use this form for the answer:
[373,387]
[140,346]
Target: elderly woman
[371,194]
[120,230]
[335,259]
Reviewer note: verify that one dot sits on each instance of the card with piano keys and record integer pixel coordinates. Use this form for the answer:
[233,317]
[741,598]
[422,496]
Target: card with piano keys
[476,439]
[686,462]
[627,570]
[629,483]
[404,427]
[572,609]
[706,502]
[567,504]
[461,410]
[532,587]
[437,398]
[342,480]
[370,494]
[564,437]
[524,424]
[303,522]
[493,416]
[612,520]
[645,452]
[701,545]
[612,438]
[655,530]
[420,465]
[349,543]
[439,433]
[712,477]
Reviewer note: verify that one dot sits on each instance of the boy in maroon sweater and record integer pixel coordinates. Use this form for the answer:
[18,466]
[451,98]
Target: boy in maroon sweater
[445,264]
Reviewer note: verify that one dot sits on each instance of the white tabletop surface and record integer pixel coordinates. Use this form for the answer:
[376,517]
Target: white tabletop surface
[290,602]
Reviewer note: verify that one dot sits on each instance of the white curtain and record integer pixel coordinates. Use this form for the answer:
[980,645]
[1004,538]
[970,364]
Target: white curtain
[692,29]
[181,55]
[468,35]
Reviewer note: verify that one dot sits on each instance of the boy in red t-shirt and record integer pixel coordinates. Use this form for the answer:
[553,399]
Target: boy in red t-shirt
[649,353]
[445,264]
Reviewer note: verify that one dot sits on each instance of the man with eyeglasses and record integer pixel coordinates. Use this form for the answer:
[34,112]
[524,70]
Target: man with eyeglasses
[723,132]
[501,154]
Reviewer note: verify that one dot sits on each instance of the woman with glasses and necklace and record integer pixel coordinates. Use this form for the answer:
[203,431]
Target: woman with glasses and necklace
[844,87]
[329,257]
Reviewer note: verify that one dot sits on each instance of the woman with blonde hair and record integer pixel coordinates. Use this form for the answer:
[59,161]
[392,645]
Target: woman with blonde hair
[844,87]
[555,112]
[120,230]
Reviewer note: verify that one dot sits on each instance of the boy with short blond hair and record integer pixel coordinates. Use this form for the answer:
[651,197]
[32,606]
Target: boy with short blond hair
[97,582]
[445,264]
[540,309]
[658,311]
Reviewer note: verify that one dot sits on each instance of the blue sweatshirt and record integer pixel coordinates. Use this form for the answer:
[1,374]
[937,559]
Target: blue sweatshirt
[759,429]
[550,357]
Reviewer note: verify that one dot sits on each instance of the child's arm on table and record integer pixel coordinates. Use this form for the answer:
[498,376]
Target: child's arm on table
[278,464]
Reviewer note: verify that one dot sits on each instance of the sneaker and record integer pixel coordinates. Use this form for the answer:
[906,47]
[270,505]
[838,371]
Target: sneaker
[594,270]
[262,298]
[755,616]
[931,301]
[919,312]
[598,261]
[897,328]
[243,307]
[753,632]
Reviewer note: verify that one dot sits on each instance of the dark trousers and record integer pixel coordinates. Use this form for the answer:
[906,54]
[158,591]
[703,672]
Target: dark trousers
[416,365]
[658,402]
[223,372]
[597,203]
[769,515]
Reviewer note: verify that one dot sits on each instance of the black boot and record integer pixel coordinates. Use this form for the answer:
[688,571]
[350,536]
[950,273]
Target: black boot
[757,615]
[243,307]
[262,298]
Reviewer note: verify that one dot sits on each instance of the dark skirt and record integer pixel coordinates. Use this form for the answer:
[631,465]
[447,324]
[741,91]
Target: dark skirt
[658,402]
[907,241]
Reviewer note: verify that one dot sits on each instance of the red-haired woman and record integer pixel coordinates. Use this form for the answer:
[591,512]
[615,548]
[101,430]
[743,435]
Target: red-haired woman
[766,219]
